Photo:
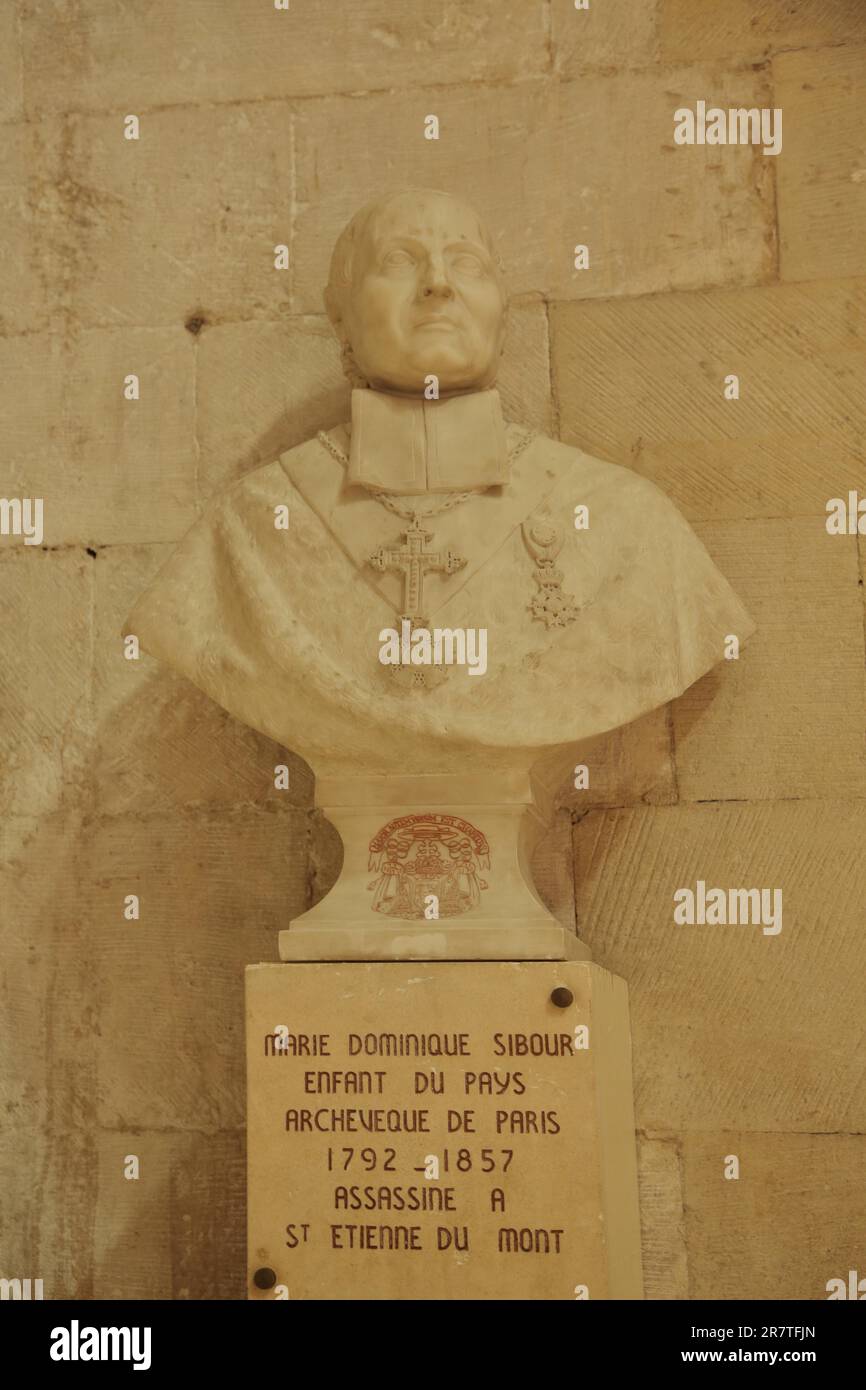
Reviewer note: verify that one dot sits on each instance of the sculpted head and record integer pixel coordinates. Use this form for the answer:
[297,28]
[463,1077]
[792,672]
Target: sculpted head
[415,290]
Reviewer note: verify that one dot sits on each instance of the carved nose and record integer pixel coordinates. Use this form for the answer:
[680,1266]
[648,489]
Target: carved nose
[435,280]
[441,288]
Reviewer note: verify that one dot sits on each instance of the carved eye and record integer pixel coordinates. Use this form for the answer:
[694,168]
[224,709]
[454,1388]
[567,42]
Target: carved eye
[396,260]
[467,263]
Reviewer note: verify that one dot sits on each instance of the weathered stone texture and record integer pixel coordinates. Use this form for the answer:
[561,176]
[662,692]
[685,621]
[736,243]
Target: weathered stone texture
[170,984]
[627,765]
[98,55]
[45,662]
[822,170]
[674,217]
[183,222]
[110,470]
[786,718]
[665,1260]
[608,37]
[183,1216]
[749,31]
[156,257]
[775,1232]
[642,382]
[773,1043]
[11,66]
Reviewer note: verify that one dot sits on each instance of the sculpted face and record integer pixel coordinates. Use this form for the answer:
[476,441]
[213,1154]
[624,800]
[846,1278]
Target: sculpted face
[425,297]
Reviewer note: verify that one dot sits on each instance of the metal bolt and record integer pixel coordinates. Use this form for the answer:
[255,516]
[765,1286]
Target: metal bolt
[562,997]
[264,1278]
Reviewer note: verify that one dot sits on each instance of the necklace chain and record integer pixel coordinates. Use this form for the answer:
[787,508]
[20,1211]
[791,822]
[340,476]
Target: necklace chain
[453,499]
[413,513]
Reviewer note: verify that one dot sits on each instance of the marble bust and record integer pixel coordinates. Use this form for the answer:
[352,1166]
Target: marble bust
[453,608]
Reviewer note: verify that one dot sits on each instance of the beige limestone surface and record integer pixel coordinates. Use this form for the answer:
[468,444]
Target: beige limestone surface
[118,777]
[382,1068]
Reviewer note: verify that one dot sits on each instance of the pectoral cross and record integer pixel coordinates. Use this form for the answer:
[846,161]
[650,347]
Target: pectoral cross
[415,562]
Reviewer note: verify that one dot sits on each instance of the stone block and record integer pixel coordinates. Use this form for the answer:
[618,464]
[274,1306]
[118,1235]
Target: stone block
[618,34]
[732,1027]
[49,1010]
[262,388]
[38,250]
[524,376]
[822,168]
[663,1239]
[586,161]
[99,55]
[11,67]
[642,382]
[176,1231]
[132,1217]
[208,1208]
[555,1137]
[47,1192]
[786,719]
[182,223]
[630,764]
[791,1222]
[109,470]
[750,31]
[213,891]
[552,870]
[45,650]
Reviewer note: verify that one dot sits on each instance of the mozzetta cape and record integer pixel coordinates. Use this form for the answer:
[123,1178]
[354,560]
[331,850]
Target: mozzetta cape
[282,627]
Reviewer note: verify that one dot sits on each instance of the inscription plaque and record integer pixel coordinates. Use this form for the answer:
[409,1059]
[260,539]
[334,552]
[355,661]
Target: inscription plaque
[440,1131]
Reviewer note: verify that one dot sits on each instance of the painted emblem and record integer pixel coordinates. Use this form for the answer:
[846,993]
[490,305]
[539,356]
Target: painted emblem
[423,854]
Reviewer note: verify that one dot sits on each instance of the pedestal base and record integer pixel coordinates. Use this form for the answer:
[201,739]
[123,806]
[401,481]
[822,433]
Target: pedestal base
[435,882]
[431,941]
[440,1131]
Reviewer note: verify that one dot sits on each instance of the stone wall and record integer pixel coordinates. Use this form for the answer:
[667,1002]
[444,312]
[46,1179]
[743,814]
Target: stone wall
[155,256]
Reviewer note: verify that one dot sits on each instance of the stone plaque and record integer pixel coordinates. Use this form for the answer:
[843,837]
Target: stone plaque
[440,1131]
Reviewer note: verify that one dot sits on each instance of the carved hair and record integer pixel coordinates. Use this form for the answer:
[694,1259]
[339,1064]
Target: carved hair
[342,268]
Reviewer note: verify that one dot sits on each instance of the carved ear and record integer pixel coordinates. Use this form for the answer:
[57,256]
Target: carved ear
[333,308]
[351,371]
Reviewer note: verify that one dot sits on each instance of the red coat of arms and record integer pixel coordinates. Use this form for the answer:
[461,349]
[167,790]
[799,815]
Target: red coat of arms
[428,854]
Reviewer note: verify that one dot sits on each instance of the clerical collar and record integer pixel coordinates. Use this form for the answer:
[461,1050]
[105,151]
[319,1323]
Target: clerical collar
[406,444]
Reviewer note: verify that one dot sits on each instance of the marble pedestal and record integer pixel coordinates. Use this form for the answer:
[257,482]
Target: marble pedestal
[478,831]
